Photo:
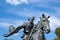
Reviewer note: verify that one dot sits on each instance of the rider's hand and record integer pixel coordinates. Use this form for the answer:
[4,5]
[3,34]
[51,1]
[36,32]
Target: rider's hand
[5,35]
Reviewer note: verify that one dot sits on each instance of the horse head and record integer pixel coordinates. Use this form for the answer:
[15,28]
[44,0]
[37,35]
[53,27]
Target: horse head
[45,23]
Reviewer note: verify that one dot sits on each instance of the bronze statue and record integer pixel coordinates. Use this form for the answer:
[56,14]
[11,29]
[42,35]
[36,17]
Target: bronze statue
[27,26]
[41,27]
[32,31]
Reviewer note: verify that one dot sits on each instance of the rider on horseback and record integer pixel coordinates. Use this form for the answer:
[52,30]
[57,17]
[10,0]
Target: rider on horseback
[27,26]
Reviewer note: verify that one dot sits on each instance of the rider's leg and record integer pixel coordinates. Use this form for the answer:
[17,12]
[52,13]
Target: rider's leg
[26,37]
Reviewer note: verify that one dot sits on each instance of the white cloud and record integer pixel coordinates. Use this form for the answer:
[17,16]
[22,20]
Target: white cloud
[18,23]
[4,24]
[16,2]
[39,1]
[54,23]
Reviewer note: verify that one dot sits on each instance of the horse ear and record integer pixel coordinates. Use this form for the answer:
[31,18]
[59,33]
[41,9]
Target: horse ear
[43,15]
[48,17]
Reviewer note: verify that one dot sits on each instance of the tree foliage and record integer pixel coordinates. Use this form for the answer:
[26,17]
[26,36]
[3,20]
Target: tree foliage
[57,32]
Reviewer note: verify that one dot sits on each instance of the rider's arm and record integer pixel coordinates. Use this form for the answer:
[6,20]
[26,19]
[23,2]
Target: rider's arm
[16,30]
[20,27]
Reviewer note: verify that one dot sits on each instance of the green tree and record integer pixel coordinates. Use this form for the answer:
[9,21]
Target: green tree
[57,32]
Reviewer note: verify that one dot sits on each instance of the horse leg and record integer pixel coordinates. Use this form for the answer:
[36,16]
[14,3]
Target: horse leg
[43,37]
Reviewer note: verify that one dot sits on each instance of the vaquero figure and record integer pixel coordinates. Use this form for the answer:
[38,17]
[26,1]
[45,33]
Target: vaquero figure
[27,26]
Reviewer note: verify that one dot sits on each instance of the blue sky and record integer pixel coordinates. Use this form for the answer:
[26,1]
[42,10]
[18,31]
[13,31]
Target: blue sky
[15,12]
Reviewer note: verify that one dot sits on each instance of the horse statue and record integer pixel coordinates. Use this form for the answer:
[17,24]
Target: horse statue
[40,28]
[31,31]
